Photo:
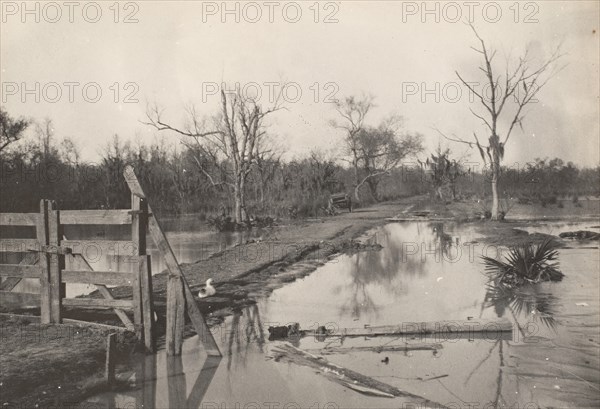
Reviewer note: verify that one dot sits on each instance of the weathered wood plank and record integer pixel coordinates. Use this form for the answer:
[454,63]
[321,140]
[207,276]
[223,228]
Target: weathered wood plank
[20,271]
[19,245]
[11,282]
[147,302]
[41,232]
[119,216]
[57,264]
[97,277]
[111,350]
[97,249]
[378,349]
[439,327]
[160,239]
[346,377]
[11,300]
[19,219]
[97,302]
[136,237]
[175,315]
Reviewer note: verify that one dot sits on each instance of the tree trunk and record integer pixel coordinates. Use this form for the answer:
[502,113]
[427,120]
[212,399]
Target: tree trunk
[373,188]
[356,196]
[494,194]
[238,198]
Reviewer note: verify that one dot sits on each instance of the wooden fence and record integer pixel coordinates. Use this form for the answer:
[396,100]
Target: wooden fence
[55,261]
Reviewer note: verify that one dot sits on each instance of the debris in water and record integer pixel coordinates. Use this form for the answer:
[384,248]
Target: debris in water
[283,331]
[580,235]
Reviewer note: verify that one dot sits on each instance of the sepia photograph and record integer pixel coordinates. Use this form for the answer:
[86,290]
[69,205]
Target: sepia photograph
[299,204]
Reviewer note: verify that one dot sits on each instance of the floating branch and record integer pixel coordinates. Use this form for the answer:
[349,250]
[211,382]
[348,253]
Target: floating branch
[345,377]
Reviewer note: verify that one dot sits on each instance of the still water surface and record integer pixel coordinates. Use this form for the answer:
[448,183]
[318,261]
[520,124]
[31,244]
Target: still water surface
[425,272]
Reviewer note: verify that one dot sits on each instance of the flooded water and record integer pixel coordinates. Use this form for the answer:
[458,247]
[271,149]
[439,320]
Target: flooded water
[425,272]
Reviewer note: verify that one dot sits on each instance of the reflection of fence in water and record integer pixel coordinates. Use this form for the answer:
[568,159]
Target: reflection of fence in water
[244,329]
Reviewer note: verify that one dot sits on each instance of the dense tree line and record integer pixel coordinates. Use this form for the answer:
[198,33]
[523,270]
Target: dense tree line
[175,177]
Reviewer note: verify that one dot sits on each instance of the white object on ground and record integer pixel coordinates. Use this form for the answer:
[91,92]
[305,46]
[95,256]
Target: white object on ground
[582,304]
[208,291]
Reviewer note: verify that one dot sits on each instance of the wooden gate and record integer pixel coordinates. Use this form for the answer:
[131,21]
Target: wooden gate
[55,260]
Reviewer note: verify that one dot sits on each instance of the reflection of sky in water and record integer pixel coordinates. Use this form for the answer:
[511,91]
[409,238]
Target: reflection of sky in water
[419,275]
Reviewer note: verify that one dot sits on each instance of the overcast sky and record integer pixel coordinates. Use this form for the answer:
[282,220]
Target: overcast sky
[177,52]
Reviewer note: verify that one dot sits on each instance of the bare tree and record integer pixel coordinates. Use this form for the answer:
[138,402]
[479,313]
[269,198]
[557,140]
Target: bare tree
[381,150]
[11,130]
[519,84]
[373,152]
[230,144]
[353,111]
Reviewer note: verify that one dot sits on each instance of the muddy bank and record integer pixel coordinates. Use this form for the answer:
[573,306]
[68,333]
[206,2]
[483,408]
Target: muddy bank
[47,365]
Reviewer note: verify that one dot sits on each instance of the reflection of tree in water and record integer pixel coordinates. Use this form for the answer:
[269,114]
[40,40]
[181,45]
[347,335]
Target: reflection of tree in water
[360,302]
[524,302]
[443,240]
[399,258]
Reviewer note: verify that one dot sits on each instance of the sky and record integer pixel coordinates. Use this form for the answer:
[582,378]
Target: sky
[403,53]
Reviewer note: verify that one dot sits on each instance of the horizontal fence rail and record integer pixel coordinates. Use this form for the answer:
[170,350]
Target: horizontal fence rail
[121,216]
[19,219]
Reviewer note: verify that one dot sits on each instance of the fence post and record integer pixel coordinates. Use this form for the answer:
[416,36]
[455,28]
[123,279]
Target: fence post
[175,315]
[138,236]
[44,259]
[57,263]
[145,274]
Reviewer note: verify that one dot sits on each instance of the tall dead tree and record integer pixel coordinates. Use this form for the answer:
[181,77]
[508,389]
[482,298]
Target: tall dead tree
[225,151]
[516,87]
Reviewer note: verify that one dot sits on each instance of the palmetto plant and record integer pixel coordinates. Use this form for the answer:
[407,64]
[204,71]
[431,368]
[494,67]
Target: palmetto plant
[526,264]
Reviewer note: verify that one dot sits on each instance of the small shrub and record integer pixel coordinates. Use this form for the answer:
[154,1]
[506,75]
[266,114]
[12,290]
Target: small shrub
[525,264]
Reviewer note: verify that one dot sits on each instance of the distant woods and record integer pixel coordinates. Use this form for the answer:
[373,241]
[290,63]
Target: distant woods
[45,165]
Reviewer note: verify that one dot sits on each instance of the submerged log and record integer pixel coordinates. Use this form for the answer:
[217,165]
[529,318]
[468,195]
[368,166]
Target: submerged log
[346,377]
[441,330]
[446,328]
[378,348]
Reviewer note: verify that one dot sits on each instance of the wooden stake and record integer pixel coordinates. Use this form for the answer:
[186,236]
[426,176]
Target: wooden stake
[111,348]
